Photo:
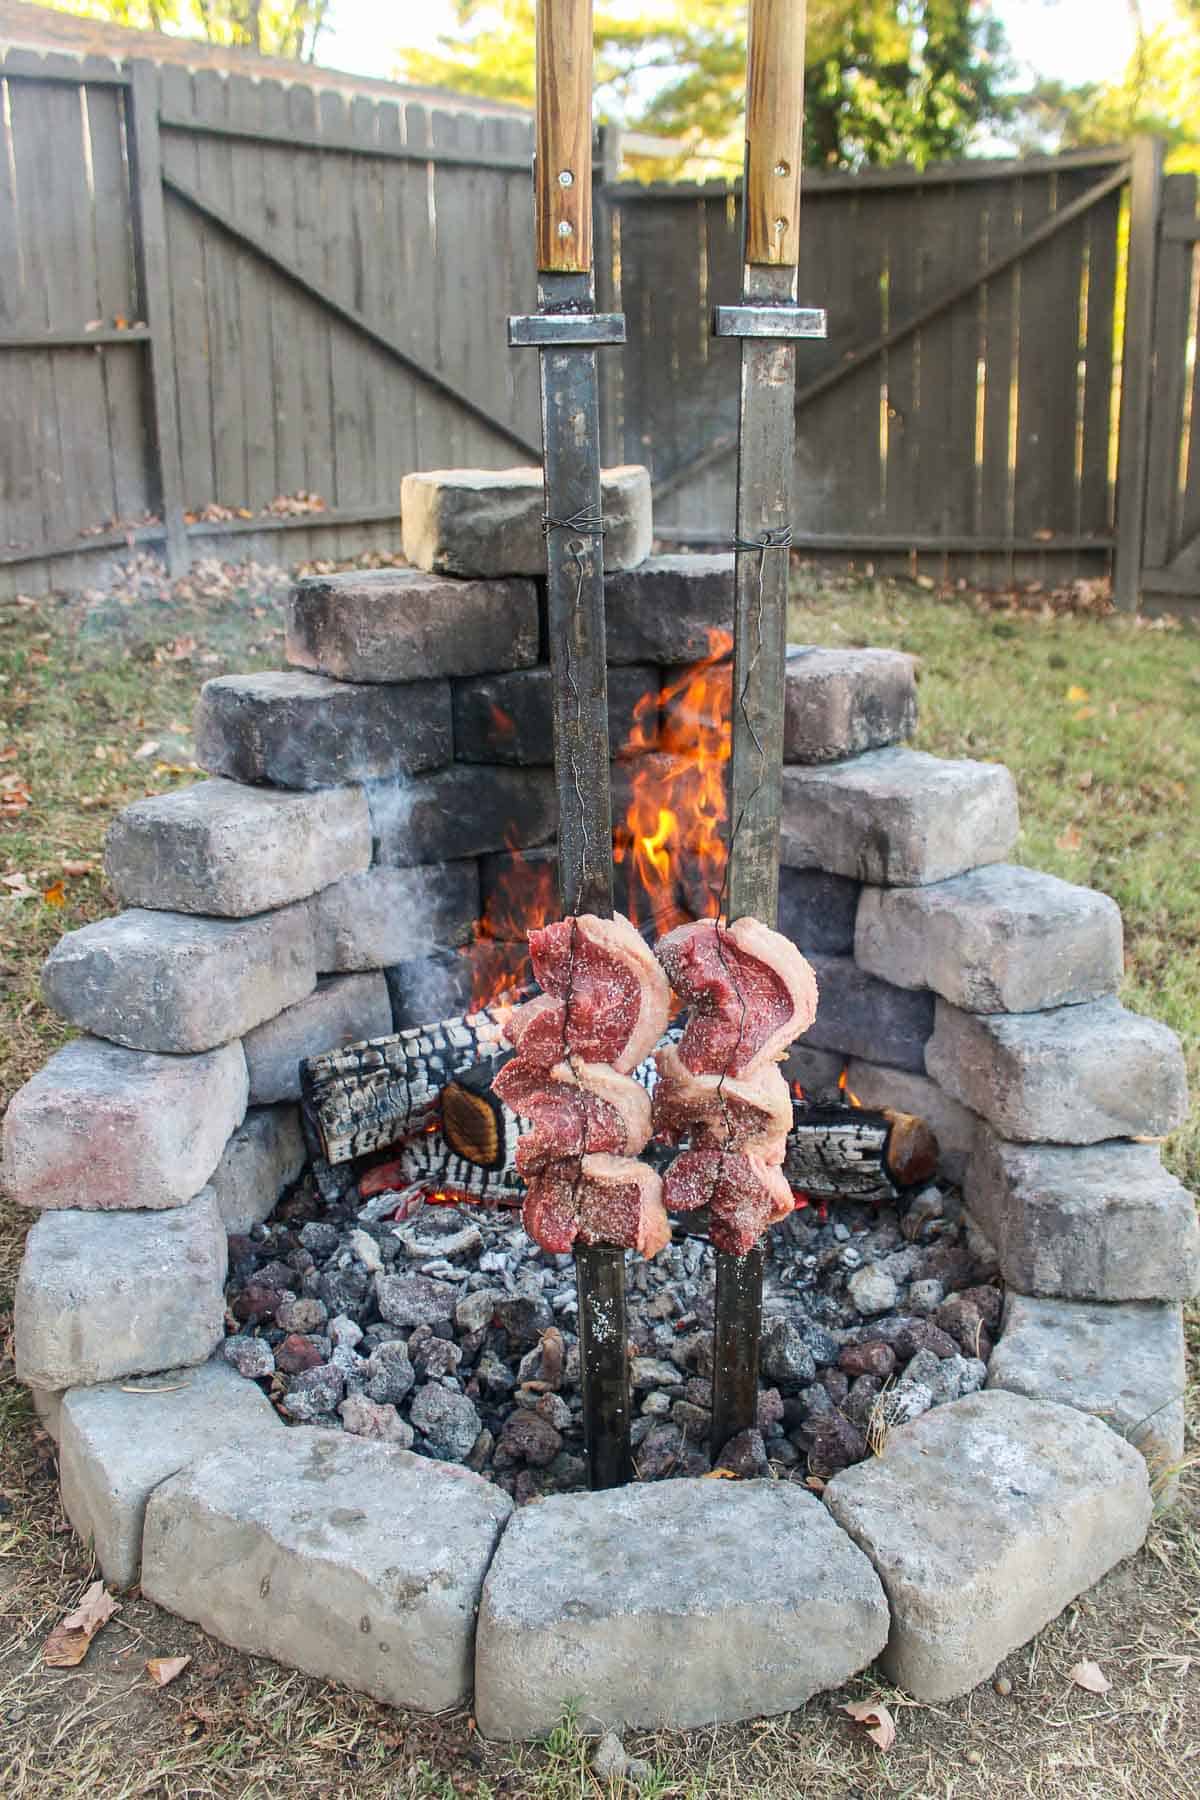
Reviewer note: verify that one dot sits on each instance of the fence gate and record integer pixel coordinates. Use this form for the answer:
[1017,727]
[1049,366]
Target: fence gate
[1171,546]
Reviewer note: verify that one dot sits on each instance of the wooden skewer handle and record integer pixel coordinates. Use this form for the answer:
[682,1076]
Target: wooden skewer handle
[774,128]
[563,175]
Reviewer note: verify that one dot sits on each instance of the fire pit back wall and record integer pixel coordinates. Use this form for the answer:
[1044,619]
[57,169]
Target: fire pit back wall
[375,835]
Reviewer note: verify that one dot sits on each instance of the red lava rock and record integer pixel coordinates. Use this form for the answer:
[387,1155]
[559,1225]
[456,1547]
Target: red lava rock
[770,1410]
[530,1439]
[988,1301]
[745,1455]
[661,1452]
[963,1321]
[873,1358]
[256,1303]
[907,1336]
[836,1444]
[296,1354]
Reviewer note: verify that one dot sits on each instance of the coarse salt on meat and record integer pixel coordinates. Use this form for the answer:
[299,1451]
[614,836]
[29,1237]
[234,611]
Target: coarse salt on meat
[750,1112]
[615,994]
[577,1109]
[744,1195]
[600,1199]
[748,989]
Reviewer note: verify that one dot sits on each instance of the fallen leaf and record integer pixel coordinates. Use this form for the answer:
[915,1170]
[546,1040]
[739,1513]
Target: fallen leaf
[55,894]
[149,748]
[1091,1676]
[1085,780]
[1085,712]
[73,868]
[14,796]
[1076,694]
[19,887]
[163,1669]
[9,753]
[71,1638]
[1070,839]
[817,1483]
[874,1715]
[720,1475]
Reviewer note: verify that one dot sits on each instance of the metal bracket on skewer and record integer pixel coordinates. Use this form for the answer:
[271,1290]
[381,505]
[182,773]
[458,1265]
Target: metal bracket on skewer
[551,331]
[781,322]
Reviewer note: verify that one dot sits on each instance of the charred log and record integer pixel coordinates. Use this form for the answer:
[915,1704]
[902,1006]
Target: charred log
[849,1153]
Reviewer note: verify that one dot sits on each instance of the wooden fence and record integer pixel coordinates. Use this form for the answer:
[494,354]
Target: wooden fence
[217,292]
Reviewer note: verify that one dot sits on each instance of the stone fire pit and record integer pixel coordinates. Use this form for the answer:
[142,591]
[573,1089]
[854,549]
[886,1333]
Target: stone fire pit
[322,887]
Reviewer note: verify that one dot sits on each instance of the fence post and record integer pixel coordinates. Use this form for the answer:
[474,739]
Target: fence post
[1137,368]
[154,293]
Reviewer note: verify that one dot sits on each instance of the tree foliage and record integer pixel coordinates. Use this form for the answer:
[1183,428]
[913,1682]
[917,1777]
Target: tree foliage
[287,28]
[885,81]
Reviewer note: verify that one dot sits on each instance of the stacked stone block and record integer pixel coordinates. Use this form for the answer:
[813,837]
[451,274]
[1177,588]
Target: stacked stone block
[363,808]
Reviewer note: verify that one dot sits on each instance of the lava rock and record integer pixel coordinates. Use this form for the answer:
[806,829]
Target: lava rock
[860,1401]
[661,1452]
[414,1299]
[835,1443]
[494,1376]
[301,1315]
[926,1296]
[650,1372]
[257,1302]
[872,1358]
[475,1311]
[528,1438]
[785,1357]
[770,1411]
[821,1343]
[296,1354]
[250,1356]
[447,1421]
[745,1456]
[693,1421]
[366,1418]
[320,1237]
[907,1336]
[962,1320]
[313,1392]
[345,1332]
[388,1374]
[524,1317]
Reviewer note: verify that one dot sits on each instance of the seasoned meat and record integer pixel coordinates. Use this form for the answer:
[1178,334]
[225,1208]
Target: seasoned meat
[749,1112]
[748,990]
[744,1194]
[599,1200]
[615,995]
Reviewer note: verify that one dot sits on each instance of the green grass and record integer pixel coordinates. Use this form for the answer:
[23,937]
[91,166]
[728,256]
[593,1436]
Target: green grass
[1108,795]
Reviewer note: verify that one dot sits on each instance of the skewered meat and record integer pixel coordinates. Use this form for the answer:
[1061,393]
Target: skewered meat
[744,1194]
[614,997]
[749,991]
[597,1200]
[579,1109]
[749,1112]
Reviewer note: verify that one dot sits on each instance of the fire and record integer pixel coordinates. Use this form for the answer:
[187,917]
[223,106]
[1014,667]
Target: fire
[844,1089]
[503,727]
[669,848]
[671,841]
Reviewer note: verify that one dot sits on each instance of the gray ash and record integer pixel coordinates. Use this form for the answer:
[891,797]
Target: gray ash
[450,1332]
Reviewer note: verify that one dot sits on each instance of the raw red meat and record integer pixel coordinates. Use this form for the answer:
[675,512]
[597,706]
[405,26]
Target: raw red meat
[749,993]
[750,1112]
[538,1031]
[599,1200]
[743,1193]
[616,997]
[580,1108]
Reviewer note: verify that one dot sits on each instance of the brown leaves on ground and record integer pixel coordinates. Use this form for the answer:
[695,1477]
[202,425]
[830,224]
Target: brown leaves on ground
[1091,1677]
[71,1638]
[14,796]
[875,1719]
[163,1670]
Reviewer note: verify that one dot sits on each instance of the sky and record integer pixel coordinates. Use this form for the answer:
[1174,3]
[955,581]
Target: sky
[1073,40]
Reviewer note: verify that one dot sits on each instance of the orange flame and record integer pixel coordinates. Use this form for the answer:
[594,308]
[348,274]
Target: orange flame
[844,1089]
[672,838]
[670,844]
[503,728]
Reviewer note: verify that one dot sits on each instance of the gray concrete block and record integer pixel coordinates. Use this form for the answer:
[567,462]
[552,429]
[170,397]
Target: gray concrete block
[509,718]
[1001,939]
[897,817]
[839,703]
[175,983]
[817,911]
[101,1126]
[217,847]
[402,625]
[1125,1364]
[1105,1222]
[858,1015]
[120,1440]
[47,1404]
[352,1560]
[295,730]
[103,1295]
[952,1124]
[462,812]
[666,609]
[489,521]
[386,916]
[343,1009]
[675,1603]
[984,1519]
[265,1155]
[1071,1076]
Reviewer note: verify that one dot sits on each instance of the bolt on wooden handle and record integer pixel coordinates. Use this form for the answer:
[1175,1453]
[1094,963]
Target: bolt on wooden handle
[774,128]
[563,174]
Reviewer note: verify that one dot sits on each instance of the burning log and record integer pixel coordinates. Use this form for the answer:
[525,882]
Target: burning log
[848,1153]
